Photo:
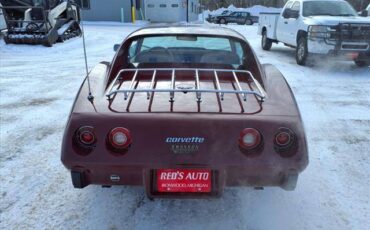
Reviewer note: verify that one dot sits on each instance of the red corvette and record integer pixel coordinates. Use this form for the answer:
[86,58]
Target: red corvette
[185,111]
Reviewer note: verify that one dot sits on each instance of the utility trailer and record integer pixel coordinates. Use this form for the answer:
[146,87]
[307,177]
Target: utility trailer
[40,22]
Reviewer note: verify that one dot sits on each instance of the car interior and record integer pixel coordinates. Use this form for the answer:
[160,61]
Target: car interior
[186,55]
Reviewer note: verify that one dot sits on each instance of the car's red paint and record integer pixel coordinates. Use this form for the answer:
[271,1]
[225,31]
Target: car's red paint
[186,134]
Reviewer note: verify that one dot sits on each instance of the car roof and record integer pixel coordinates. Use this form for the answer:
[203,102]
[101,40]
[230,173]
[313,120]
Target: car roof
[187,29]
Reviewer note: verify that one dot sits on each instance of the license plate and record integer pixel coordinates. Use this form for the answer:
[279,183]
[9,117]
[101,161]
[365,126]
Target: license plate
[184,180]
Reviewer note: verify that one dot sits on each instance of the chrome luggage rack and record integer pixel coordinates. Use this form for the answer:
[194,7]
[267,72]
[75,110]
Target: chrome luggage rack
[112,91]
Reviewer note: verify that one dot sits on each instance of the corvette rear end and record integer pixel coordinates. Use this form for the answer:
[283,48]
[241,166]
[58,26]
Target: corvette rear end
[184,112]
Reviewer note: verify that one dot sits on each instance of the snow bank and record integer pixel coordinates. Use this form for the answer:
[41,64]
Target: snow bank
[254,10]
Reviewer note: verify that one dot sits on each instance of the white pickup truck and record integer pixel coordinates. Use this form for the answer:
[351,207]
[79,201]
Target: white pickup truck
[329,27]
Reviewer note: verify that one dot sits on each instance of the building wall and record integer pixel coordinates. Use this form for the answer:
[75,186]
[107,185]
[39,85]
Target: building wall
[170,10]
[163,11]
[194,10]
[108,10]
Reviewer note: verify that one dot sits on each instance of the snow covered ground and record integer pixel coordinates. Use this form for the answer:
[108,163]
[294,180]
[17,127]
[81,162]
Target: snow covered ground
[37,89]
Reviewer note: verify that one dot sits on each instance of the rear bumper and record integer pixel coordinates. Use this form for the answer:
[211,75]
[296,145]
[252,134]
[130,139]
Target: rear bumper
[220,152]
[228,176]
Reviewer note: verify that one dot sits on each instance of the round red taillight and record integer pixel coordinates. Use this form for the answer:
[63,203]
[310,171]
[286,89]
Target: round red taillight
[86,136]
[282,139]
[250,138]
[120,138]
[285,140]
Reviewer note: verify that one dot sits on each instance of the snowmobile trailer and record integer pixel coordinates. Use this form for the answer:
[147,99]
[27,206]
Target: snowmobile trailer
[40,21]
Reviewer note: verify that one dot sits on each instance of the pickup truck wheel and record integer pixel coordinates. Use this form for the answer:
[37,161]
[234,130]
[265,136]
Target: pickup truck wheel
[301,51]
[248,22]
[222,21]
[362,63]
[6,40]
[265,41]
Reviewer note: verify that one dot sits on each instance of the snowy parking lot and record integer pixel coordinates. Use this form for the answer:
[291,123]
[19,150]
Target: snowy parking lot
[38,86]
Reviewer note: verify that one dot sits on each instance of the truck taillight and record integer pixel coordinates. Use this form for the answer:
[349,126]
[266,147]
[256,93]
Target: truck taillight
[120,138]
[285,140]
[86,136]
[250,138]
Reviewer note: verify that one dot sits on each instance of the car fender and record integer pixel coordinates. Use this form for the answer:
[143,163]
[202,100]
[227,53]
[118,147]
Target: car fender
[98,80]
[279,93]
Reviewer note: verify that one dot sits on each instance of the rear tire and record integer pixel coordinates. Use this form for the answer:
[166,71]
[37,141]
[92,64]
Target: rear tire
[363,60]
[362,63]
[266,42]
[248,22]
[48,43]
[301,53]
[290,182]
[6,40]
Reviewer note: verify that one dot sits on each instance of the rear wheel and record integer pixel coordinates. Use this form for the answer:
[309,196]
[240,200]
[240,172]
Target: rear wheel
[6,40]
[248,22]
[48,44]
[266,42]
[222,21]
[362,63]
[301,53]
[363,60]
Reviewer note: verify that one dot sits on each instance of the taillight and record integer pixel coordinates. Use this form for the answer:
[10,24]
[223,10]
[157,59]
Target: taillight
[250,138]
[85,136]
[120,138]
[282,139]
[285,140]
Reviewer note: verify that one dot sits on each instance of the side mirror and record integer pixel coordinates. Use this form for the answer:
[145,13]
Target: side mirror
[116,47]
[294,14]
[287,13]
[364,13]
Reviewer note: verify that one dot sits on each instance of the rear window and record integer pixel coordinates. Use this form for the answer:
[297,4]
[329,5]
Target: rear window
[209,43]
[186,49]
